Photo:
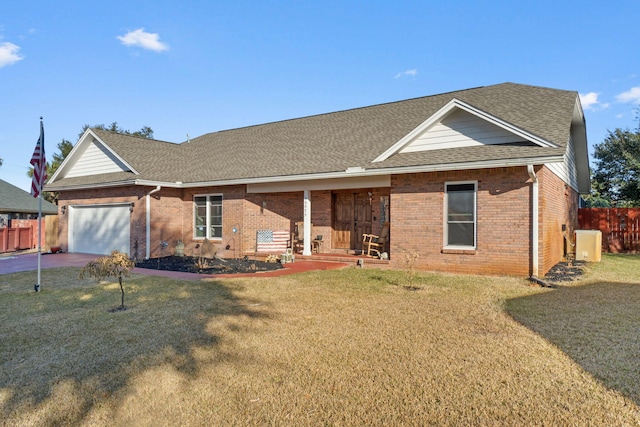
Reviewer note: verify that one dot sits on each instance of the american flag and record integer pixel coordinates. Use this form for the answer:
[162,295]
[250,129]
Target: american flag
[272,241]
[39,164]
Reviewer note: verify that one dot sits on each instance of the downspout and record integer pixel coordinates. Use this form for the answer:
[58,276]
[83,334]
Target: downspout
[534,218]
[148,221]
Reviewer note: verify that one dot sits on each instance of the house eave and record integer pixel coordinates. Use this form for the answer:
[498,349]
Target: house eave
[469,165]
[349,173]
[53,187]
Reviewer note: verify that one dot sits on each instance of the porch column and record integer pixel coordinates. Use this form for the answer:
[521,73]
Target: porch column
[306,248]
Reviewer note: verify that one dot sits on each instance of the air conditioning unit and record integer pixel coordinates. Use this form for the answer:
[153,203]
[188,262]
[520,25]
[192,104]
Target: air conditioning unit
[588,245]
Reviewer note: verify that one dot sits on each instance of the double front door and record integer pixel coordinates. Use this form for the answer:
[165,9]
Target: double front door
[351,219]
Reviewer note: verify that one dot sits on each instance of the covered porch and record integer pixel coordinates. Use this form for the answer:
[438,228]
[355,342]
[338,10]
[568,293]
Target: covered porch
[325,219]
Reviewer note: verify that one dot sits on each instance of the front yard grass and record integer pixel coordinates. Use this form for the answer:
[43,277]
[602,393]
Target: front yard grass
[346,347]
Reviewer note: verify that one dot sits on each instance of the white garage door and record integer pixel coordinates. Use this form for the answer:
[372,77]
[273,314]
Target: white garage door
[99,229]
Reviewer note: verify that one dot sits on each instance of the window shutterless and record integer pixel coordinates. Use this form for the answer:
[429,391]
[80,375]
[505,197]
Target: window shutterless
[460,215]
[207,217]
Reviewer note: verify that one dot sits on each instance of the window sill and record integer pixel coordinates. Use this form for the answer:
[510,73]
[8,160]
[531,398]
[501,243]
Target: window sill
[459,251]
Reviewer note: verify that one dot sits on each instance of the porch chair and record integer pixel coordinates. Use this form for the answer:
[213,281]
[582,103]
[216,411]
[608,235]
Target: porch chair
[375,244]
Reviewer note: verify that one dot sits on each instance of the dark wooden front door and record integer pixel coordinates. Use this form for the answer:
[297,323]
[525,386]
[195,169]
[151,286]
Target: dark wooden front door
[351,219]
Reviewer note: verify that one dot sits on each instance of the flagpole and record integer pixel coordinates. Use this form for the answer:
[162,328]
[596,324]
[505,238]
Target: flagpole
[39,163]
[37,285]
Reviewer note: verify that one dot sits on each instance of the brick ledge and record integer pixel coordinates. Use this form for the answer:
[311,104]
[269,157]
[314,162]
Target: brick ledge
[459,251]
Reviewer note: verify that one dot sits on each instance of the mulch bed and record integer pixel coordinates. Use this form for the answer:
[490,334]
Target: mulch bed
[199,265]
[565,272]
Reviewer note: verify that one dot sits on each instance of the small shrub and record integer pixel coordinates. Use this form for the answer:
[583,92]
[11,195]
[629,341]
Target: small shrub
[409,267]
[117,265]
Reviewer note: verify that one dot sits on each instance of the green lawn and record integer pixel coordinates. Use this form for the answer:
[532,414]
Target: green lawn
[346,347]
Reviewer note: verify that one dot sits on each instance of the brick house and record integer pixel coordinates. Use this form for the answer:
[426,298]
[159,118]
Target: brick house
[483,180]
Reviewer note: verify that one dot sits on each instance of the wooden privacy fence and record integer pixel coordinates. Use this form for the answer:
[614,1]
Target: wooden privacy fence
[15,238]
[23,234]
[620,227]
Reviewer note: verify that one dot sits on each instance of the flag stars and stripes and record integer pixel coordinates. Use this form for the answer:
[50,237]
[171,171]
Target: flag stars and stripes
[39,163]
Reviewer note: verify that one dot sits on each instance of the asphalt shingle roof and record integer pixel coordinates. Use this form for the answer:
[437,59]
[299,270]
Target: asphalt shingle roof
[16,200]
[333,142]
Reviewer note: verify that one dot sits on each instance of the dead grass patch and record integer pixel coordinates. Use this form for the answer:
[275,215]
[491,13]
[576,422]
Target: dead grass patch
[342,347]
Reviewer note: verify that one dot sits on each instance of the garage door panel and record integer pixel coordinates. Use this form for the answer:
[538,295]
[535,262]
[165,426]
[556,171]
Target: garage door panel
[99,229]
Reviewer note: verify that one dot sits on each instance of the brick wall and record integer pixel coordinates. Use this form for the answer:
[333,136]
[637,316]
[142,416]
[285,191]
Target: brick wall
[503,221]
[167,219]
[558,206]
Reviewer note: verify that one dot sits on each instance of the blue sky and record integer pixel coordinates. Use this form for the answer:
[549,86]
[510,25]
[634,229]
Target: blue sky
[193,67]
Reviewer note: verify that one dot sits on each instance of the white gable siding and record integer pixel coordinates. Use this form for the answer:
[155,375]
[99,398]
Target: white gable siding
[460,129]
[567,170]
[96,160]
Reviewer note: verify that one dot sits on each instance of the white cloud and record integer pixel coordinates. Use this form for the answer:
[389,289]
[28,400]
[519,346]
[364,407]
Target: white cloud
[409,73]
[144,40]
[9,54]
[630,96]
[589,100]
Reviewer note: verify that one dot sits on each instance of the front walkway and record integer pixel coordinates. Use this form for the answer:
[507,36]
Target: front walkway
[13,263]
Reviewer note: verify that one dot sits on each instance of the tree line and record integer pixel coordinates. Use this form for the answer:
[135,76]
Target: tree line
[615,180]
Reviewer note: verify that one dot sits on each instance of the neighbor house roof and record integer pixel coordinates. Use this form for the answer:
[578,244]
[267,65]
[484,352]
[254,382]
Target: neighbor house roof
[16,200]
[368,140]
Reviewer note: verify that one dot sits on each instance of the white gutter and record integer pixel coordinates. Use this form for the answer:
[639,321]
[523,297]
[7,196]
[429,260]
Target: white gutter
[148,221]
[322,175]
[367,172]
[534,218]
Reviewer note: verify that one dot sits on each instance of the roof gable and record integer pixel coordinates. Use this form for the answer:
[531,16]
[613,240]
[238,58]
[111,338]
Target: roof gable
[91,156]
[96,158]
[459,124]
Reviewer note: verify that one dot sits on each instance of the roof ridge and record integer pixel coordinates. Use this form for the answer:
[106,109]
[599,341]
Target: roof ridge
[537,87]
[131,135]
[346,110]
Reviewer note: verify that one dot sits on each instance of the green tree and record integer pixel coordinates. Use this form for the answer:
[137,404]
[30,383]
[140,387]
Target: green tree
[617,174]
[595,199]
[145,131]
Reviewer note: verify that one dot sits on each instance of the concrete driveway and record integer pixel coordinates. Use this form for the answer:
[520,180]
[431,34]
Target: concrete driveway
[13,263]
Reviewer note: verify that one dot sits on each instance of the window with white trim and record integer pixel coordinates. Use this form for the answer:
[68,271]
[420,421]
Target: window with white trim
[460,215]
[207,217]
